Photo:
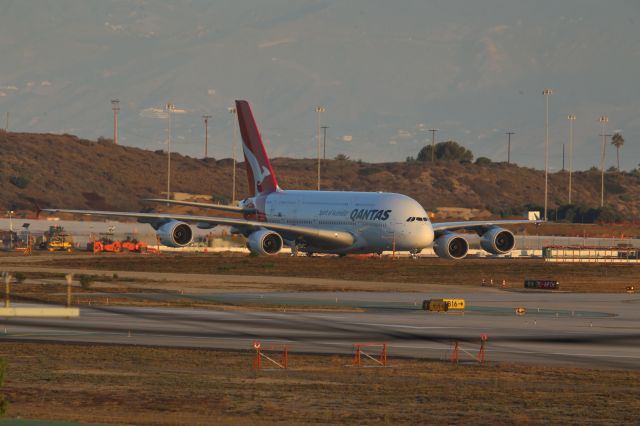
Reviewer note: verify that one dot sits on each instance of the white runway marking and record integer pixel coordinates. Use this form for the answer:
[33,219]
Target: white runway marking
[420,327]
[564,354]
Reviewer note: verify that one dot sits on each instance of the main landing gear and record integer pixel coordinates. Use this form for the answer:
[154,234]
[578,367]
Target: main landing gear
[414,253]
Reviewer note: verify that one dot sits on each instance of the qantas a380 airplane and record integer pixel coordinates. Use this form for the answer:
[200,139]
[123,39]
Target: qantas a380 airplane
[338,222]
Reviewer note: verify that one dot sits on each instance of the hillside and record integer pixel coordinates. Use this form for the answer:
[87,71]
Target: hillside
[65,171]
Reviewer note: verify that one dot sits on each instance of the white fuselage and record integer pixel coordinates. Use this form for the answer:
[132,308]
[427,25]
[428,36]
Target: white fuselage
[378,221]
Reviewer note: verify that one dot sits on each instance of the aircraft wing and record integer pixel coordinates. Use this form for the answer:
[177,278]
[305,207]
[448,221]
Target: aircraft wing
[476,225]
[220,207]
[318,237]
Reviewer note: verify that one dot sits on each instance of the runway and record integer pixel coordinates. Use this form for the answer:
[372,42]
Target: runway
[596,330]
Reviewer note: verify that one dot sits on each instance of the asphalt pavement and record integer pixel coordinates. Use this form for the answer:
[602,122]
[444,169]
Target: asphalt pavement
[595,330]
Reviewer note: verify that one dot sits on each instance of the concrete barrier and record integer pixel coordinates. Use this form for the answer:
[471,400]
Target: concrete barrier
[39,312]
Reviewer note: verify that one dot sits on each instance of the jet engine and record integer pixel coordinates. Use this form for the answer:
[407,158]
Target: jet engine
[497,241]
[264,242]
[175,234]
[451,246]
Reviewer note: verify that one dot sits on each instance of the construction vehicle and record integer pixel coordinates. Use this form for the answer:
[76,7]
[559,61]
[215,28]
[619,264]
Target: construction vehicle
[105,243]
[134,245]
[56,239]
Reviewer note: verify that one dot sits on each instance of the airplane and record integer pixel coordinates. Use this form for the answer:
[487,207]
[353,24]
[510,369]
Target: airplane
[333,222]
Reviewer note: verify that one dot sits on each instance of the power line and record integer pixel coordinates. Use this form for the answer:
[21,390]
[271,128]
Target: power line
[509,146]
[571,118]
[324,142]
[115,106]
[546,93]
[319,111]
[433,144]
[206,134]
[603,120]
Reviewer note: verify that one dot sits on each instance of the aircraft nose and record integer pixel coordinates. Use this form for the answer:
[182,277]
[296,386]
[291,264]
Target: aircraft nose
[425,237]
[429,234]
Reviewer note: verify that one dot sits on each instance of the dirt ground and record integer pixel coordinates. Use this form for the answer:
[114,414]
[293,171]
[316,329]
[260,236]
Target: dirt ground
[233,272]
[140,385]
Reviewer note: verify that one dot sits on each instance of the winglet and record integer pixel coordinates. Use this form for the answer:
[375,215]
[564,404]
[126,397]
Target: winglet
[259,171]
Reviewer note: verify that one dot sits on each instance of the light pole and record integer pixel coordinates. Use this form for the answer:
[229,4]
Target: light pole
[170,107]
[509,146]
[546,93]
[319,111]
[603,121]
[115,106]
[233,111]
[10,214]
[206,134]
[433,144]
[324,142]
[571,118]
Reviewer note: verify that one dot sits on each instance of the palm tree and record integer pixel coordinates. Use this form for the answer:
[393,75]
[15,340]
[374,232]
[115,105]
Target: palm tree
[618,141]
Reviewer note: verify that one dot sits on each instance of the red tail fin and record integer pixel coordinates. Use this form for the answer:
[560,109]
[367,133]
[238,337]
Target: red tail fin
[259,171]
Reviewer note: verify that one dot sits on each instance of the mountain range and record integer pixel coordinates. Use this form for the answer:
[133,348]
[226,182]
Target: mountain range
[385,72]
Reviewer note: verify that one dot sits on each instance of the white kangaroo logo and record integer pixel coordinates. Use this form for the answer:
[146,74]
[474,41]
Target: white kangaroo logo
[259,173]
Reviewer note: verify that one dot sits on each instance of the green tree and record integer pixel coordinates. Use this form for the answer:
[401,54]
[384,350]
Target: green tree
[86,281]
[446,151]
[483,161]
[20,181]
[618,141]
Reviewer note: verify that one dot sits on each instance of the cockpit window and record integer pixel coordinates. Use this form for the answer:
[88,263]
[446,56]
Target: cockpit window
[419,219]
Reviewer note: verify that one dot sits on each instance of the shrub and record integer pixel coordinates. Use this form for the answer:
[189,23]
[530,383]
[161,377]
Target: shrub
[20,181]
[103,140]
[20,277]
[447,151]
[86,281]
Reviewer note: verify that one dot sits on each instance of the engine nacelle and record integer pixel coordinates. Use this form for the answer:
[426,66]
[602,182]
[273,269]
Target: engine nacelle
[451,246]
[497,241]
[265,242]
[175,234]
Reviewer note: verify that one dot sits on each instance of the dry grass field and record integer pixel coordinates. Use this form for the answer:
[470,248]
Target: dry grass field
[157,386]
[384,274]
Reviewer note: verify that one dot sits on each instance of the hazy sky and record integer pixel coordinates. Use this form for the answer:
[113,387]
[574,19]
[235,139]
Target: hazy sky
[384,71]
